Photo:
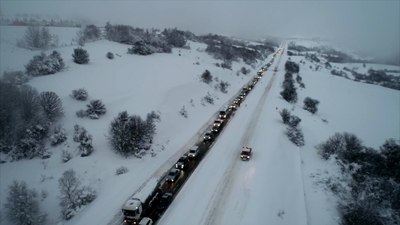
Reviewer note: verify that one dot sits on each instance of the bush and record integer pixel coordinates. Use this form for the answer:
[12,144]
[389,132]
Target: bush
[244,71]
[209,99]
[110,55]
[66,156]
[79,94]
[81,113]
[285,114]
[294,121]
[80,56]
[391,151]
[45,65]
[183,112]
[175,37]
[206,77]
[310,105]
[121,170]
[95,109]
[223,85]
[357,214]
[58,137]
[295,135]
[15,77]
[227,65]
[84,139]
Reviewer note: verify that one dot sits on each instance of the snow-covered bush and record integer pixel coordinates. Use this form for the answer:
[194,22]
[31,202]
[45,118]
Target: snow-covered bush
[226,65]
[206,77]
[285,114]
[58,137]
[222,86]
[45,64]
[294,121]
[131,134]
[140,48]
[89,33]
[95,109]
[22,205]
[183,112]
[310,105]
[31,144]
[79,94]
[295,135]
[37,38]
[244,71]
[80,56]
[208,99]
[15,77]
[52,105]
[84,139]
[121,170]
[175,37]
[110,55]
[66,156]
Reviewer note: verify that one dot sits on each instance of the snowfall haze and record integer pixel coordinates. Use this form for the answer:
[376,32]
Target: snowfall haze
[369,27]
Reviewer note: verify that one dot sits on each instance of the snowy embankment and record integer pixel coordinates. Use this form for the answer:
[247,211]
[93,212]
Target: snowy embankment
[280,184]
[161,82]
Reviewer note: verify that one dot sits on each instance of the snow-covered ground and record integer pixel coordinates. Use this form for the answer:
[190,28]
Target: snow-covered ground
[277,186]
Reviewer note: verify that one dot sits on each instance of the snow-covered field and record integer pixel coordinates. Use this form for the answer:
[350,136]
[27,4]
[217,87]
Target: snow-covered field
[277,186]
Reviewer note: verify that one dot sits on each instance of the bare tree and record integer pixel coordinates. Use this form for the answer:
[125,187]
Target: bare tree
[70,190]
[37,38]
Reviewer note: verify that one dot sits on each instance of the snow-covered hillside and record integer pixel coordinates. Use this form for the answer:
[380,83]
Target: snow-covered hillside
[277,186]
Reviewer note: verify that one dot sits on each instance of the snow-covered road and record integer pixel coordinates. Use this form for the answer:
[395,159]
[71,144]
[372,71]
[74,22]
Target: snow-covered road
[266,190]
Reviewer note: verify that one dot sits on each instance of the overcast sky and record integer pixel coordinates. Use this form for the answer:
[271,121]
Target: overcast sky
[371,26]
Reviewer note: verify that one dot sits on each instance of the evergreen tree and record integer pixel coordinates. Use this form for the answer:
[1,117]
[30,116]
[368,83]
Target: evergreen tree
[22,206]
[79,94]
[206,77]
[310,105]
[80,56]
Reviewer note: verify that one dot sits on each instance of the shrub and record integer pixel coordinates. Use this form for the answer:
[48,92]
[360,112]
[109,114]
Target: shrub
[110,55]
[175,37]
[347,147]
[121,170]
[84,139]
[45,65]
[295,135]
[244,71]
[81,113]
[310,105]
[223,85]
[66,156]
[95,109]
[294,121]
[183,112]
[285,114]
[209,99]
[80,56]
[79,94]
[206,77]
[226,65]
[58,137]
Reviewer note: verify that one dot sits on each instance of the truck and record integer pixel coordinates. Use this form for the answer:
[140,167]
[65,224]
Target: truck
[141,203]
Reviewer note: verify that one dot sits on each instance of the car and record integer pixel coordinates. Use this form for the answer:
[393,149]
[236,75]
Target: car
[165,200]
[146,221]
[246,153]
[208,137]
[193,152]
[222,115]
[233,106]
[215,130]
[217,123]
[182,163]
[173,175]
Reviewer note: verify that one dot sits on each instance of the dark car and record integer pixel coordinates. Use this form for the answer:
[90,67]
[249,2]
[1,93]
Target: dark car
[222,115]
[208,137]
[173,175]
[165,200]
[182,163]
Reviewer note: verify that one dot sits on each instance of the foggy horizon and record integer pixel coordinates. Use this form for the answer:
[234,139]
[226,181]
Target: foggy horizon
[370,27]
